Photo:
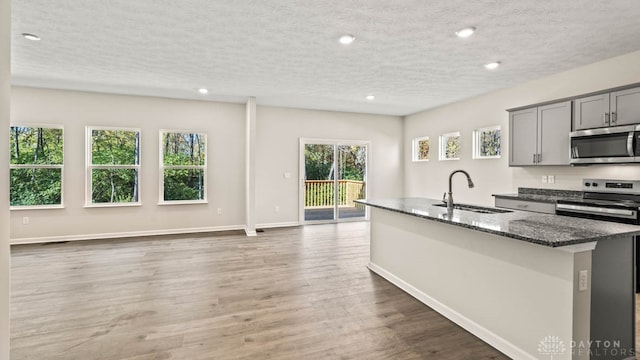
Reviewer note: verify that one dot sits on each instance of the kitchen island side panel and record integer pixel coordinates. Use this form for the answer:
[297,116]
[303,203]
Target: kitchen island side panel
[512,294]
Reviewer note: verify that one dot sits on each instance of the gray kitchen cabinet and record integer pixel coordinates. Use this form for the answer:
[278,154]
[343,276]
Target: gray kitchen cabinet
[591,112]
[607,109]
[625,107]
[523,127]
[526,205]
[540,135]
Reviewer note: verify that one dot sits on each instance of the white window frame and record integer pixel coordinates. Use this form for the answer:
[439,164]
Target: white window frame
[163,167]
[89,168]
[40,166]
[476,142]
[416,149]
[443,145]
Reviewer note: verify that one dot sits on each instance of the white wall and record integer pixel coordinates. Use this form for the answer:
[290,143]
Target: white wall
[278,134]
[223,123]
[5,58]
[493,175]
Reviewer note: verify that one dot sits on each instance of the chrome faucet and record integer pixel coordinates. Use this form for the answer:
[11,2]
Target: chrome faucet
[449,199]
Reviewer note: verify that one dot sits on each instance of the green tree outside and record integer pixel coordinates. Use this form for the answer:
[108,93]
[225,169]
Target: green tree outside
[36,166]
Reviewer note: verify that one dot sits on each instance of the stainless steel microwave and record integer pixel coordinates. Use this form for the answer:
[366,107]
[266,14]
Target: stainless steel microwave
[620,144]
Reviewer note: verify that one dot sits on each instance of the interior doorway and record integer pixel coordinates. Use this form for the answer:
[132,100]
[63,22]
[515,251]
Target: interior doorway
[334,174]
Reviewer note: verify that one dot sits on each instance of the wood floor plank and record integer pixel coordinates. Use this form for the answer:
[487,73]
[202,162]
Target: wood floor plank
[295,293]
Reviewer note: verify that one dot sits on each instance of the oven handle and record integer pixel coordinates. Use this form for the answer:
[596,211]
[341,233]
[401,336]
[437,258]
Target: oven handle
[596,210]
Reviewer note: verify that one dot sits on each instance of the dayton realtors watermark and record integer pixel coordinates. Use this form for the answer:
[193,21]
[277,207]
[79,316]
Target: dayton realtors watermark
[552,346]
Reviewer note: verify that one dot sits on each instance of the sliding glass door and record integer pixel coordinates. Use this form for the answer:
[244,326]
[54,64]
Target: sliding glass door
[333,175]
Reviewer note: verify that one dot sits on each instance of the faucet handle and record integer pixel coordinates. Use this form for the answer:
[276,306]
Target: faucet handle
[444,197]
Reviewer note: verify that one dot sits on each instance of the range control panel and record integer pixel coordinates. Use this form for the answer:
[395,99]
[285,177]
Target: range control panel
[612,186]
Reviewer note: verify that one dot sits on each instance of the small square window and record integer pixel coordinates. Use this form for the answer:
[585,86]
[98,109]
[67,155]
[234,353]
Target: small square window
[421,149]
[450,146]
[487,143]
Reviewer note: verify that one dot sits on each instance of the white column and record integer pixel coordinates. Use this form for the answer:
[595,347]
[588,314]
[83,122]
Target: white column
[5,89]
[250,160]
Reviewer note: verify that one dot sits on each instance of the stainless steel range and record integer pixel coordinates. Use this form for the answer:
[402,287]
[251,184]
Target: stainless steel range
[609,200]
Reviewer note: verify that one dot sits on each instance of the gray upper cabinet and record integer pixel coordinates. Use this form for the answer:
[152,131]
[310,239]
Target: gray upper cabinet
[523,127]
[591,112]
[625,107]
[554,126]
[608,109]
[540,135]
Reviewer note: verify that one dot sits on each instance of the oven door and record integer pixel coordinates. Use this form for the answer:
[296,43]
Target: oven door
[609,145]
[584,210]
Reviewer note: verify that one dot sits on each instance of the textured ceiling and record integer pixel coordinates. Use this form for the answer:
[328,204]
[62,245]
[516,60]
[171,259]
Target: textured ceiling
[286,53]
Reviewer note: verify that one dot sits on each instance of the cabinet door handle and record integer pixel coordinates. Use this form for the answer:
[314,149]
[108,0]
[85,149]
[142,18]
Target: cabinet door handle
[540,157]
[605,118]
[534,158]
[614,117]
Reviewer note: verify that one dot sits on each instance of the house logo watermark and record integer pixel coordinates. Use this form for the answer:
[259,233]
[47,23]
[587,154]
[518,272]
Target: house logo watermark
[551,346]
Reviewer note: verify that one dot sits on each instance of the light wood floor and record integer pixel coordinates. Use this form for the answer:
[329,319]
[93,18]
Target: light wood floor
[298,293]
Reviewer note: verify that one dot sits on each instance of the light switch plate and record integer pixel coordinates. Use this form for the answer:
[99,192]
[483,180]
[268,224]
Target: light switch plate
[552,179]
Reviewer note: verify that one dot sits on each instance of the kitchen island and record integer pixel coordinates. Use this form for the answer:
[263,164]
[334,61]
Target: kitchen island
[534,286]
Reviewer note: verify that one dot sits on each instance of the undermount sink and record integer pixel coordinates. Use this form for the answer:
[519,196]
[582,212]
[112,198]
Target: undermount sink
[476,209]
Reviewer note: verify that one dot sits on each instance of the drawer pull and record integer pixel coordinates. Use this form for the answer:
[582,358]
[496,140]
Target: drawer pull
[523,206]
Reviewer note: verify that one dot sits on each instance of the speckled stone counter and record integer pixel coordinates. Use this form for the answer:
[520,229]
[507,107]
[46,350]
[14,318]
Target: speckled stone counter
[490,274]
[541,195]
[543,229]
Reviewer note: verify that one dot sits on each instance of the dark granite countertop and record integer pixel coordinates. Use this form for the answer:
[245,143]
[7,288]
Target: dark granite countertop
[542,195]
[543,229]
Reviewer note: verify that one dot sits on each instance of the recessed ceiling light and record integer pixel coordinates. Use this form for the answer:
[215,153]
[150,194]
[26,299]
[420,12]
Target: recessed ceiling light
[203,91]
[371,97]
[493,65]
[347,39]
[466,32]
[32,37]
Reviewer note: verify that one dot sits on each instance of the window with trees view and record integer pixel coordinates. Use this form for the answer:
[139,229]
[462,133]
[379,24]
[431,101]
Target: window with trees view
[450,146]
[487,143]
[36,166]
[183,167]
[113,166]
[421,149]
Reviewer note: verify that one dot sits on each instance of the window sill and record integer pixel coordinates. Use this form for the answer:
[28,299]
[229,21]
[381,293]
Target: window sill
[36,207]
[112,205]
[183,202]
[486,157]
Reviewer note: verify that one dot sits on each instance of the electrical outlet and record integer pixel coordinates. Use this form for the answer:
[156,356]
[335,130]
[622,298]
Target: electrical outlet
[544,179]
[219,211]
[276,209]
[25,220]
[287,175]
[552,179]
[583,280]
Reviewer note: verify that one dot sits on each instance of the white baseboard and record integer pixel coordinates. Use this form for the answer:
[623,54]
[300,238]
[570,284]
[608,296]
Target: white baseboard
[127,234]
[471,326]
[277,225]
